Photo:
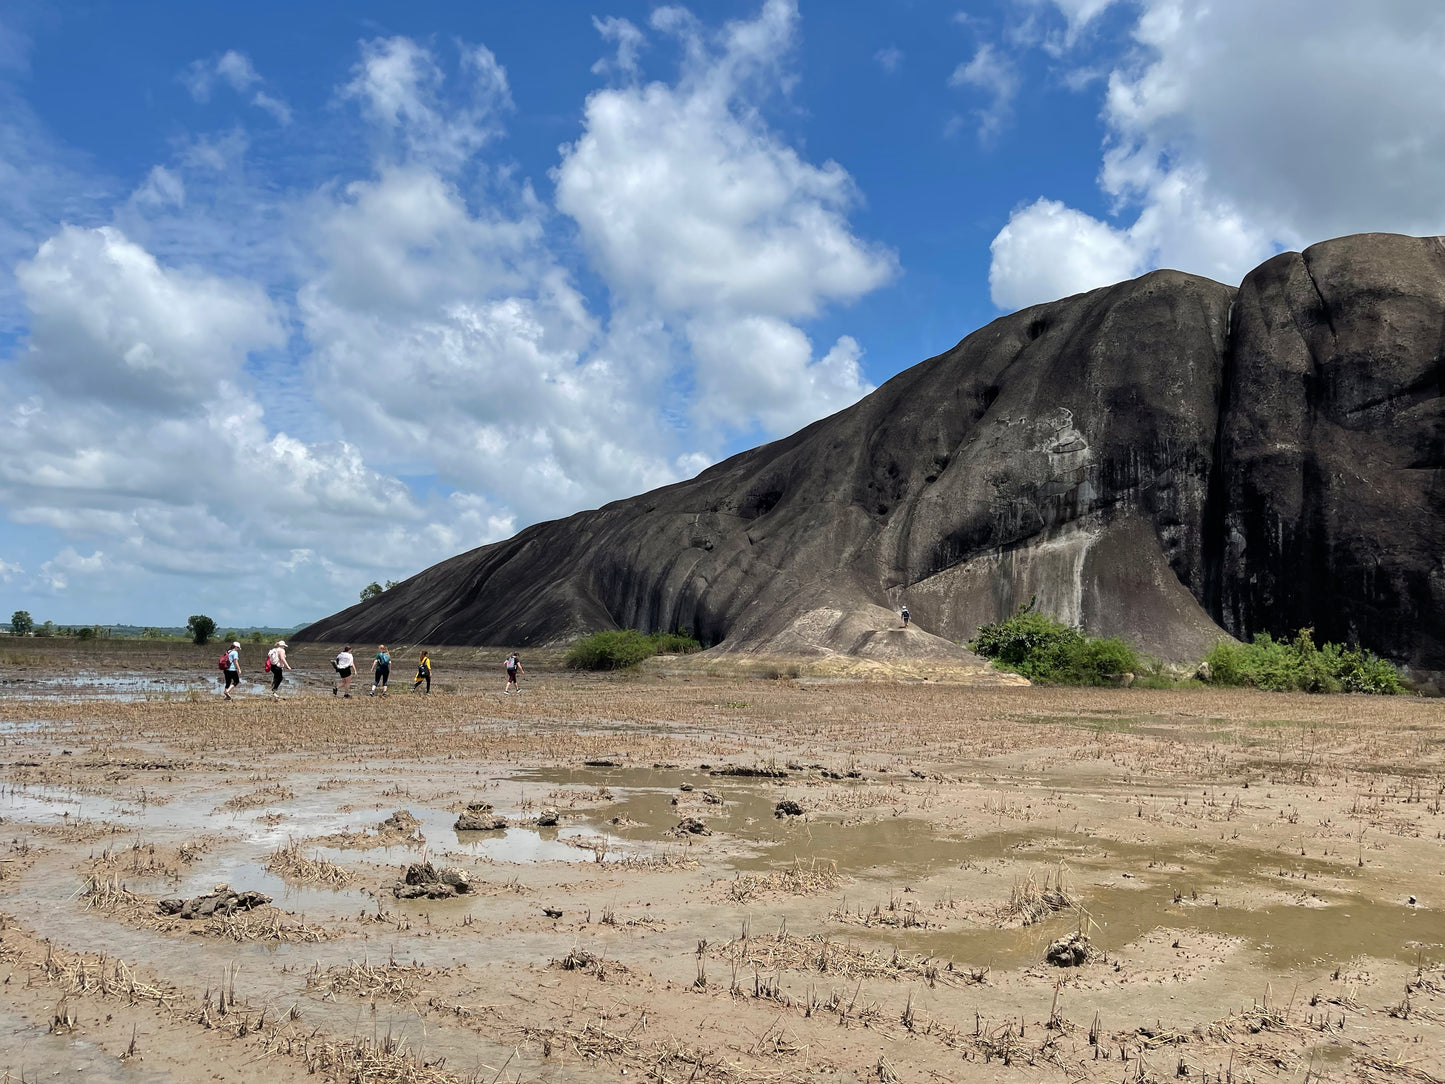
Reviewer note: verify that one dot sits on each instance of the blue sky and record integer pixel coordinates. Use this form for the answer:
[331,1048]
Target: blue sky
[294,297]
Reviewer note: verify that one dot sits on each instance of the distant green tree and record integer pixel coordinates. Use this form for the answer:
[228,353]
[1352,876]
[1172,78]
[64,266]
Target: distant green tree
[151,633]
[257,637]
[47,629]
[21,623]
[390,584]
[371,590]
[86,632]
[201,628]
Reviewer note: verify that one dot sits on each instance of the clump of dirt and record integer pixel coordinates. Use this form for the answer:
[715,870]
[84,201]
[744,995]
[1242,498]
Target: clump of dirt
[1071,951]
[401,823]
[401,829]
[424,880]
[579,959]
[690,826]
[221,902]
[479,817]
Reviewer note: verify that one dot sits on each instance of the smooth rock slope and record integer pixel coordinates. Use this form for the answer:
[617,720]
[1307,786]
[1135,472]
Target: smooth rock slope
[1168,459]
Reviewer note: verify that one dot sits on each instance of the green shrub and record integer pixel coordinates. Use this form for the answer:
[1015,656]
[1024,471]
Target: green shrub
[1299,665]
[620,649]
[1090,661]
[1046,650]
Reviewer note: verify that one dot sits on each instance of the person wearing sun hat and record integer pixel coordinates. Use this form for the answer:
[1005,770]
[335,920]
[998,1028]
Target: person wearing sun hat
[233,668]
[277,664]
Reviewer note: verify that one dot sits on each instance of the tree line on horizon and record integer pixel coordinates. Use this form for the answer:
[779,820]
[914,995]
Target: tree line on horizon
[199,629]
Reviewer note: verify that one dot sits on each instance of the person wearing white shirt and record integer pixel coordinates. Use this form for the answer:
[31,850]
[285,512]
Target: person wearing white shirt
[345,664]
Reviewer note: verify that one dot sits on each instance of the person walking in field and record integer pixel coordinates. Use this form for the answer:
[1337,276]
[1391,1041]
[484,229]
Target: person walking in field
[345,664]
[513,666]
[277,664]
[233,669]
[380,670]
[423,673]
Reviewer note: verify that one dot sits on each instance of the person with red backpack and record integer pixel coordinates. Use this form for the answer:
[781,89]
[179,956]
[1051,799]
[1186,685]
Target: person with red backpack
[230,664]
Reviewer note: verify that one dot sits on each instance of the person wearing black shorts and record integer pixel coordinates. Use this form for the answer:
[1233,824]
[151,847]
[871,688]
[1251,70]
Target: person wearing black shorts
[381,670]
[345,665]
[233,669]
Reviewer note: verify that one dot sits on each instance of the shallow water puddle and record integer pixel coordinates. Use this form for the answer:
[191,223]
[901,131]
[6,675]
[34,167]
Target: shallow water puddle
[85,684]
[28,1052]
[43,803]
[1287,938]
[518,844]
[1341,925]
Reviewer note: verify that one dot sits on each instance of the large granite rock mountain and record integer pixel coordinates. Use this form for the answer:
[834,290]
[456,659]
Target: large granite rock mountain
[1168,459]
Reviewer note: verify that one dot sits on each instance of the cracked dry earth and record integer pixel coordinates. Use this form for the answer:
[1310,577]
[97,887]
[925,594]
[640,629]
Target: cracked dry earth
[1261,880]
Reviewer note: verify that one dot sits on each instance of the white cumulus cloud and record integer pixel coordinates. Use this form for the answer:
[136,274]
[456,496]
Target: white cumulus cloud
[700,215]
[1236,129]
[231,382]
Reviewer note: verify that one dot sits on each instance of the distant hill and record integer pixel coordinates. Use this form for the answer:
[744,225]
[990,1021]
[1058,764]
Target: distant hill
[1169,459]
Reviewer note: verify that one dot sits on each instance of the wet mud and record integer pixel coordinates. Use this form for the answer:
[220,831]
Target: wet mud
[1261,881]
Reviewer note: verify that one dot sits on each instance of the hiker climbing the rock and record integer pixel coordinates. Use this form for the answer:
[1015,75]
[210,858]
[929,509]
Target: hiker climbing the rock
[904,614]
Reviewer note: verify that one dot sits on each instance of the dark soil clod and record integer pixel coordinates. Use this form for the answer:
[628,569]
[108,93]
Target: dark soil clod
[1071,951]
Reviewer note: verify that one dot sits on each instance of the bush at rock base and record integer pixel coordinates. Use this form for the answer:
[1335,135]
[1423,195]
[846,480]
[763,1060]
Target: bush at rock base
[623,648]
[1044,649]
[1299,665]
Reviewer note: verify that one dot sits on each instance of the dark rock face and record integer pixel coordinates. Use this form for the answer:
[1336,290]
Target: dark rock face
[1155,459]
[1330,494]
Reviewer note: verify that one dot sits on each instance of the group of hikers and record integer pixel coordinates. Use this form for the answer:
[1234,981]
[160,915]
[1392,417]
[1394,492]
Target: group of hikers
[346,668]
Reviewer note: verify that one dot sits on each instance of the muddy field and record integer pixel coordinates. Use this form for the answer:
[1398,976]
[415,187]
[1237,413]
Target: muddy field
[684,877]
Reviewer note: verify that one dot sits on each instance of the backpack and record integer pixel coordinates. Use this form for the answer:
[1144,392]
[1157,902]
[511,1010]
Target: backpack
[224,663]
[267,667]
